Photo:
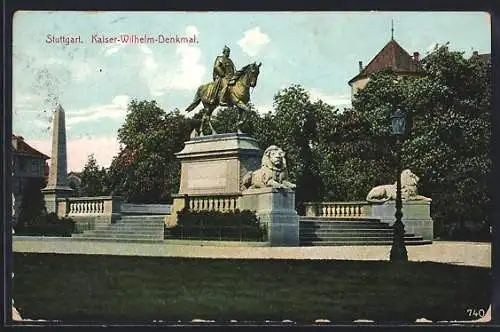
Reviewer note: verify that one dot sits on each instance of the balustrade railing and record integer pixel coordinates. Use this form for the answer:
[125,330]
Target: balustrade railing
[222,203]
[337,209]
[86,206]
[83,206]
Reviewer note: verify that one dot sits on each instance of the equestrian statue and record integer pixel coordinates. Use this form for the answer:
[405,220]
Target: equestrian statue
[229,88]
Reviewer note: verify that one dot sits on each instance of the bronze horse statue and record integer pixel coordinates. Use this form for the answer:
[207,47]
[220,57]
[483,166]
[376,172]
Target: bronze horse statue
[238,94]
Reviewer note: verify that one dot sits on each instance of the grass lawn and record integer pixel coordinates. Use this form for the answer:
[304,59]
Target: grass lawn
[76,288]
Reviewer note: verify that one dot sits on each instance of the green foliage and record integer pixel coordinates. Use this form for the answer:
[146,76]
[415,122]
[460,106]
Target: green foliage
[294,128]
[32,205]
[225,120]
[146,170]
[215,225]
[49,225]
[448,141]
[340,155]
[95,181]
[33,218]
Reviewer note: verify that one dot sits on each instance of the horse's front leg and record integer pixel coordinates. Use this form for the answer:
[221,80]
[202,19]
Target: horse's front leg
[209,117]
[241,107]
[202,124]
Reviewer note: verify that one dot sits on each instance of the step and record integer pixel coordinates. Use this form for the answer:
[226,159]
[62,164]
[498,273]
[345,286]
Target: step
[125,231]
[123,239]
[350,234]
[143,217]
[357,236]
[348,229]
[347,226]
[338,219]
[130,226]
[119,236]
[360,243]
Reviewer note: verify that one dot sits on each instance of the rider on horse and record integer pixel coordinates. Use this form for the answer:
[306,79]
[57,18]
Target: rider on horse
[224,75]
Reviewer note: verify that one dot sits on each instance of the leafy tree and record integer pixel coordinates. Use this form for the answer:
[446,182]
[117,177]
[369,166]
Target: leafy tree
[225,120]
[294,127]
[32,206]
[94,180]
[146,169]
[447,145]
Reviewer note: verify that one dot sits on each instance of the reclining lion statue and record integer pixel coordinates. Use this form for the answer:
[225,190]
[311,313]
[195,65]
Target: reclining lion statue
[272,172]
[388,192]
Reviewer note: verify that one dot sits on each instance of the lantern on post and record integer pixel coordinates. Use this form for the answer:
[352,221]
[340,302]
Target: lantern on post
[398,250]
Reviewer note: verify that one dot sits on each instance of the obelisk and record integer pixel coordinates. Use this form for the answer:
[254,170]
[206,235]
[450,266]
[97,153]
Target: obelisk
[57,185]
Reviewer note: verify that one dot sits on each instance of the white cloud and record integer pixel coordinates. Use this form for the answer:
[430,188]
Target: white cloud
[112,50]
[145,49]
[253,41]
[192,30]
[333,100]
[117,109]
[25,100]
[184,73]
[103,147]
[191,71]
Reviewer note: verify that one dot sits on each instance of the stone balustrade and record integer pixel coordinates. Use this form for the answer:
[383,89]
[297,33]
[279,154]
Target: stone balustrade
[222,203]
[86,206]
[416,213]
[87,211]
[337,209]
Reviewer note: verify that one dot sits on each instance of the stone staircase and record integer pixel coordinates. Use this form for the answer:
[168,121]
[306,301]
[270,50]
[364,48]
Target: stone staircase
[131,228]
[316,231]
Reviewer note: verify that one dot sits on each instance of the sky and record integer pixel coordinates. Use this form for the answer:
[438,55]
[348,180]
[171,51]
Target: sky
[94,81]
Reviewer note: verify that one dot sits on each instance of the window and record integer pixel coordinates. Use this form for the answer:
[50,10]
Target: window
[35,167]
[22,164]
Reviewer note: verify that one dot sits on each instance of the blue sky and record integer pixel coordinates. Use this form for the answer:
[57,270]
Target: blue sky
[94,82]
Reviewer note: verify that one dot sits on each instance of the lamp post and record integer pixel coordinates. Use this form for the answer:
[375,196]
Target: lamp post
[398,250]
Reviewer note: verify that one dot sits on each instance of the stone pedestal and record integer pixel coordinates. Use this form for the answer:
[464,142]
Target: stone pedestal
[276,209]
[416,216]
[52,195]
[215,164]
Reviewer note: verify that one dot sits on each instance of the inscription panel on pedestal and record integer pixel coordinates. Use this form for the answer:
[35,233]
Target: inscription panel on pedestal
[207,175]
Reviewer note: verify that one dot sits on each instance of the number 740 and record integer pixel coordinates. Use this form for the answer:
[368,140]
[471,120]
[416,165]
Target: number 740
[476,313]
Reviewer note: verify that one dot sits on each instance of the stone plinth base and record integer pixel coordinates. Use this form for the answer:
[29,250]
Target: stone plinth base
[275,208]
[177,206]
[416,216]
[215,164]
[212,167]
[52,194]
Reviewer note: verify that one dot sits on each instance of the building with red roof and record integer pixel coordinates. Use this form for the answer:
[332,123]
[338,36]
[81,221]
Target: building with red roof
[391,56]
[27,163]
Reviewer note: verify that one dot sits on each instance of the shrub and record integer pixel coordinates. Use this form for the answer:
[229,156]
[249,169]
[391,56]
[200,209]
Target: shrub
[215,225]
[48,225]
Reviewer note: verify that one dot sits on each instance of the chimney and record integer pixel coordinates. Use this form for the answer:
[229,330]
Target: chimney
[360,66]
[416,56]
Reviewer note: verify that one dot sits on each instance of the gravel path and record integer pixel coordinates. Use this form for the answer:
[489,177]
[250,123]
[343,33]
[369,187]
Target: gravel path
[459,253]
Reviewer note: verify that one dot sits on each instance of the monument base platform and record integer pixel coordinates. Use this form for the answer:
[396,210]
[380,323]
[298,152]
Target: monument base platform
[416,216]
[275,208]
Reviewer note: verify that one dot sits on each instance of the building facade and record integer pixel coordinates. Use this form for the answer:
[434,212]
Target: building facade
[27,163]
[391,56]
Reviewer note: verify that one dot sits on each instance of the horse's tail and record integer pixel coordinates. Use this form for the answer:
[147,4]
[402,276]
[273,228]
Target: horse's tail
[196,100]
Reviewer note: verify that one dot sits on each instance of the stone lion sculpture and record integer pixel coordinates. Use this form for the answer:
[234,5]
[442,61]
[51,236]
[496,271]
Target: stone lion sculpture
[388,192]
[272,172]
